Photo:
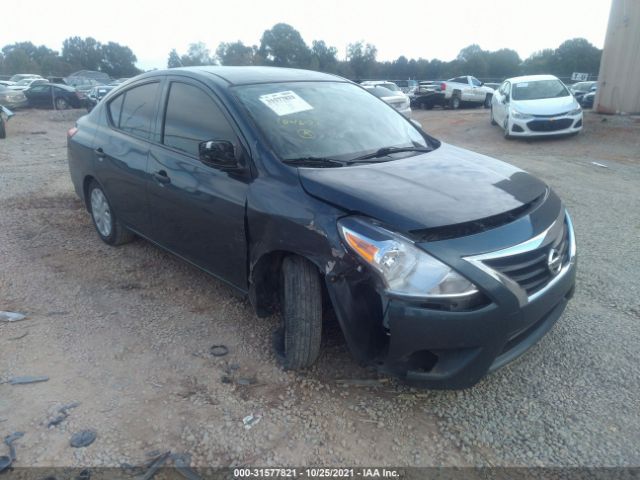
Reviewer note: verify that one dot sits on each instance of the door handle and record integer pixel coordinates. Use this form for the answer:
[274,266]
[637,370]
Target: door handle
[99,153]
[161,177]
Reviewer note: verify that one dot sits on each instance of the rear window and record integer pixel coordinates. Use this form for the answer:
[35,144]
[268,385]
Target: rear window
[133,111]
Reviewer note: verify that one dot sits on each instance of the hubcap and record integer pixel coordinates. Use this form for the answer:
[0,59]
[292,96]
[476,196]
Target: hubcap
[101,213]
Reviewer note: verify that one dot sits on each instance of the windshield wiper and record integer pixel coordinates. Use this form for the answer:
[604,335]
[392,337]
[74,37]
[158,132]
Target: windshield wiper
[319,162]
[384,151]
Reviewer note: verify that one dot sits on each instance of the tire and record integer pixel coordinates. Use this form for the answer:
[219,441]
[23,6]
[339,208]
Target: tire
[3,130]
[493,122]
[454,103]
[487,100]
[61,104]
[298,343]
[109,228]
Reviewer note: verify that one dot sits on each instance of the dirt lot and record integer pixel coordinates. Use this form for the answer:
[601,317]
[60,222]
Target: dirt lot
[126,332]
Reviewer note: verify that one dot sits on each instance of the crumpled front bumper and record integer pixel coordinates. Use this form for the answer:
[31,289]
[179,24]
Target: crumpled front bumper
[452,350]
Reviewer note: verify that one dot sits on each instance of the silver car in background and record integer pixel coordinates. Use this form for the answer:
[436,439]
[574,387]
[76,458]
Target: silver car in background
[396,99]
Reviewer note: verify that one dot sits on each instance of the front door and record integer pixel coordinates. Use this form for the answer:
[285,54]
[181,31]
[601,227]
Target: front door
[197,211]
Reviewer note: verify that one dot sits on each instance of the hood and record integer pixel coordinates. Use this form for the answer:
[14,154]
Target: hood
[546,106]
[445,187]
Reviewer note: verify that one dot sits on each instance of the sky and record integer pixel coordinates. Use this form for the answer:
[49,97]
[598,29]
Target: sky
[426,28]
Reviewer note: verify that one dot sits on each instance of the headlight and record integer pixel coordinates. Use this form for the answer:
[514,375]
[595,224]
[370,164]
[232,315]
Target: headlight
[404,269]
[520,116]
[577,111]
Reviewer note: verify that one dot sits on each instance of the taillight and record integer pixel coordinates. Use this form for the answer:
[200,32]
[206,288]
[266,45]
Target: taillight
[72,131]
[443,86]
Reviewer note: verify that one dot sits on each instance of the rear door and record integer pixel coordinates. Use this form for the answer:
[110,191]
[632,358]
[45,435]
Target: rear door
[122,152]
[197,210]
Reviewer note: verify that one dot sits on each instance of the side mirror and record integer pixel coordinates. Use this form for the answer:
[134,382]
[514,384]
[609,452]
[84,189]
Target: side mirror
[416,123]
[506,98]
[218,154]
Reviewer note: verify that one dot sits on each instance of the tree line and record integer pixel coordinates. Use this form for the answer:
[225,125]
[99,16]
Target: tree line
[283,46]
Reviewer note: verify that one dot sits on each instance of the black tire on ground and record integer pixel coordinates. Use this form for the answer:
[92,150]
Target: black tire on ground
[487,100]
[301,308]
[493,122]
[454,103]
[3,131]
[429,106]
[61,104]
[119,234]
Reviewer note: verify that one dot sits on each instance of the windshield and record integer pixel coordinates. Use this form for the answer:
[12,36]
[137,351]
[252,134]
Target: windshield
[26,81]
[539,90]
[325,120]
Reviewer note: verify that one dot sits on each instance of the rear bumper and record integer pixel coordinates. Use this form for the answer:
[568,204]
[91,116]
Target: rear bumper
[452,350]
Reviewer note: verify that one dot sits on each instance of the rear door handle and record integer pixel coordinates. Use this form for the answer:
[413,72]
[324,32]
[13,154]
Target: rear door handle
[99,153]
[161,177]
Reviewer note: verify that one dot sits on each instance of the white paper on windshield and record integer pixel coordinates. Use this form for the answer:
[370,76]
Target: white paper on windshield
[521,85]
[285,103]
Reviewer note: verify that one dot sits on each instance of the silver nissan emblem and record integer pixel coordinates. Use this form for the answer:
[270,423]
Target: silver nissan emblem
[554,262]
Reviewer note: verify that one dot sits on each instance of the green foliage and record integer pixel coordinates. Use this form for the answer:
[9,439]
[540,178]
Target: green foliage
[283,46]
[362,59]
[77,54]
[236,53]
[118,61]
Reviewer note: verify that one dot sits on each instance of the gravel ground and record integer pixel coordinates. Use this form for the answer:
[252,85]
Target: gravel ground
[126,333]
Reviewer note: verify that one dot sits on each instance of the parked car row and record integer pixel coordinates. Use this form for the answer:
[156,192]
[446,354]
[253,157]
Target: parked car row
[30,90]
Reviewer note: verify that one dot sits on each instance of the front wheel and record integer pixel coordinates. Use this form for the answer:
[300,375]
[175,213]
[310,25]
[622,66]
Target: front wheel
[493,120]
[3,130]
[487,101]
[61,104]
[109,228]
[301,308]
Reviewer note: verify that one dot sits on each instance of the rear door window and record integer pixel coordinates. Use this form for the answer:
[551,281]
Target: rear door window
[115,107]
[193,117]
[134,110]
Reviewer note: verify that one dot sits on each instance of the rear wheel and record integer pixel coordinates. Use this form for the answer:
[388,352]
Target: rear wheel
[61,104]
[298,343]
[493,121]
[454,103]
[487,101]
[3,131]
[109,228]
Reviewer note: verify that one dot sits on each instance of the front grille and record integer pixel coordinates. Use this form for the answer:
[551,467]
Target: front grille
[530,269]
[551,116]
[549,125]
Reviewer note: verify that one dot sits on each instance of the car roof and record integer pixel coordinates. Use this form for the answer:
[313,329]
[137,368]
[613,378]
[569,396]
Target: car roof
[531,78]
[251,75]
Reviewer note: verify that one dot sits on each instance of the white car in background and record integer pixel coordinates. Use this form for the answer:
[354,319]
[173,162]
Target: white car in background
[394,98]
[535,105]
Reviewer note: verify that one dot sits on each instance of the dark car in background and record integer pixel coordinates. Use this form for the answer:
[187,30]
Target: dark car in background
[96,94]
[52,95]
[581,88]
[586,100]
[306,193]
